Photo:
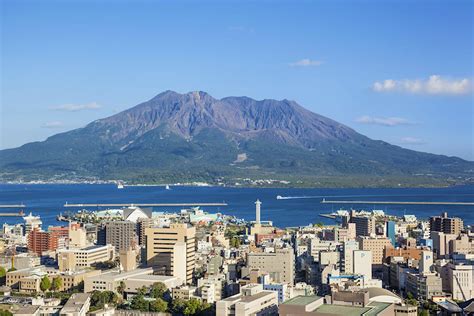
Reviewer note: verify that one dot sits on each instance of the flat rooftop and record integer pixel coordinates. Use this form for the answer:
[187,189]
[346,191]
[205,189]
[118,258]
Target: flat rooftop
[342,310]
[251,298]
[302,300]
[75,303]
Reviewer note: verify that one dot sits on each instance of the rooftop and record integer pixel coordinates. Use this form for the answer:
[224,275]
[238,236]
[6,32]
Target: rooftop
[302,300]
[342,310]
[75,303]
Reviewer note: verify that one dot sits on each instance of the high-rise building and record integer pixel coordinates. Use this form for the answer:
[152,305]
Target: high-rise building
[445,224]
[120,234]
[376,245]
[32,222]
[441,242]
[391,232]
[77,236]
[170,250]
[279,264]
[347,262]
[142,224]
[426,262]
[461,281]
[363,263]
[39,242]
[365,225]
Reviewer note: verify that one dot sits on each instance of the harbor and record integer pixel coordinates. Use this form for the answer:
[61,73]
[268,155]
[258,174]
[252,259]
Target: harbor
[324,201]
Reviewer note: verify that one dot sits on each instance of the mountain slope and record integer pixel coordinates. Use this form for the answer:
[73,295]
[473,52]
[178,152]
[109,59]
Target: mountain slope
[194,137]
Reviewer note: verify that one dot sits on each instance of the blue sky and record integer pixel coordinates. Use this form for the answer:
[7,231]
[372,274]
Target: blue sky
[400,71]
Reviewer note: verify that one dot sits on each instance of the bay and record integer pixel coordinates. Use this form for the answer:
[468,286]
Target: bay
[47,200]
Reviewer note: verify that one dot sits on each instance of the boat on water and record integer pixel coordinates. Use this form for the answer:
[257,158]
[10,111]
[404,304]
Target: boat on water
[279,197]
[167,187]
[120,185]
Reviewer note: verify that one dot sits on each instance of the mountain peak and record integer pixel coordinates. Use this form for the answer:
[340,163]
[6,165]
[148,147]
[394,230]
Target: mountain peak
[178,137]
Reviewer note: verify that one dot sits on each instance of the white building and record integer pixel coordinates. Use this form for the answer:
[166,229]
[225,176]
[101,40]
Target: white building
[347,262]
[363,263]
[252,300]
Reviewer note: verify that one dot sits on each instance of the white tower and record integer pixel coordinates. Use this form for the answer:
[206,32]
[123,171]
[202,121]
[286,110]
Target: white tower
[257,211]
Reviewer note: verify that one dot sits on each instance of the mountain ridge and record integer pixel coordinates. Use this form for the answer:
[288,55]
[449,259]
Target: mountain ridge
[180,137]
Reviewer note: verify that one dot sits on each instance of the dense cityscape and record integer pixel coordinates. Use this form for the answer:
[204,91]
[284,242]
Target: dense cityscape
[236,158]
[133,261]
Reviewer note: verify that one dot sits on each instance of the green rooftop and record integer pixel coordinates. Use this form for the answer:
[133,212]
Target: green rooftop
[376,308]
[302,300]
[342,310]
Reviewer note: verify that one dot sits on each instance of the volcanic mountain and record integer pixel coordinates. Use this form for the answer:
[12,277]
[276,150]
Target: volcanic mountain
[194,137]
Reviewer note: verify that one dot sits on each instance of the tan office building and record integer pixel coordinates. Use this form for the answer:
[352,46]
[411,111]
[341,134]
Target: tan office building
[280,264]
[74,259]
[171,250]
[376,245]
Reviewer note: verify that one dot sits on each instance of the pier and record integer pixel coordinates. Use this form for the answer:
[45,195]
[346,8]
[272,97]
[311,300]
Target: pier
[324,201]
[146,204]
[19,214]
[12,205]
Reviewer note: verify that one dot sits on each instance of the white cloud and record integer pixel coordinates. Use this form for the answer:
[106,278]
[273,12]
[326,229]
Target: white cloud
[76,107]
[384,121]
[411,141]
[53,124]
[435,84]
[306,62]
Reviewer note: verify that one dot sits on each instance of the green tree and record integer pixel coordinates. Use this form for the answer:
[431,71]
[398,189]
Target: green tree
[140,303]
[3,274]
[57,283]
[192,307]
[143,291]
[235,242]
[158,305]
[100,298]
[424,312]
[121,288]
[5,313]
[177,306]
[158,290]
[45,284]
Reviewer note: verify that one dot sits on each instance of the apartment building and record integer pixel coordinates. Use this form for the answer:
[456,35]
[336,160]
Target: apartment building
[445,224]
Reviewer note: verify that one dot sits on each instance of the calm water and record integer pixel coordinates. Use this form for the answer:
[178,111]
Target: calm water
[48,200]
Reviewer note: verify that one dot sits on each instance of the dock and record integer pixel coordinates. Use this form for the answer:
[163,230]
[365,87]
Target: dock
[146,204]
[324,201]
[12,205]
[19,214]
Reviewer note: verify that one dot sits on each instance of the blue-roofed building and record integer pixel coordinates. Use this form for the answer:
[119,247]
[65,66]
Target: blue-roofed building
[391,234]
[426,242]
